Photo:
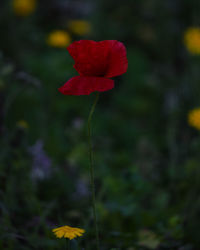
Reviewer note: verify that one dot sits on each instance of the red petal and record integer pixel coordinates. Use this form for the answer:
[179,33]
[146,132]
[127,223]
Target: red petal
[84,85]
[118,63]
[91,58]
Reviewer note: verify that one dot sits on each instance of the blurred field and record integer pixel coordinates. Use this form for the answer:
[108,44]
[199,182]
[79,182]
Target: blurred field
[146,149]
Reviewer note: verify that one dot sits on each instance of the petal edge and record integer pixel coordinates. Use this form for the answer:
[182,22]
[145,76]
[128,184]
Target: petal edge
[118,63]
[85,85]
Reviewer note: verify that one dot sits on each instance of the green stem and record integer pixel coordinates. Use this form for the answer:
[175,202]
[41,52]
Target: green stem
[92,170]
[68,244]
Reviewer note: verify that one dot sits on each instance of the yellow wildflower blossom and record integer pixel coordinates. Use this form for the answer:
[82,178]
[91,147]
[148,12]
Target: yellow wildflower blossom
[22,124]
[68,232]
[79,27]
[192,40]
[24,7]
[194,118]
[59,39]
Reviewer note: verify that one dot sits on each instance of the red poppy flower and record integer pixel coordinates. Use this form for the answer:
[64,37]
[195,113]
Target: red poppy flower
[96,63]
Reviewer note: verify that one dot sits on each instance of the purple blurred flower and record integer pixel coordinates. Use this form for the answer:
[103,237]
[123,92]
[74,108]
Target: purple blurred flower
[78,123]
[82,190]
[41,167]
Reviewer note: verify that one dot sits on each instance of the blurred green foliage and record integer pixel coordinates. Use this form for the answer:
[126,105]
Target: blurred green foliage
[146,156]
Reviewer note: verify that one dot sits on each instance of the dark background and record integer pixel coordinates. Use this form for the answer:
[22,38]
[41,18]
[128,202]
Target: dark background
[146,154]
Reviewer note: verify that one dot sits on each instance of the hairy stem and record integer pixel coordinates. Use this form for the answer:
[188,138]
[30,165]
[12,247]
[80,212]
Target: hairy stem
[92,170]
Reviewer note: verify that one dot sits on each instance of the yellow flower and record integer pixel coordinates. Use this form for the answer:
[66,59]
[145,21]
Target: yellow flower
[22,124]
[192,40]
[68,232]
[59,38]
[194,118]
[24,7]
[79,27]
